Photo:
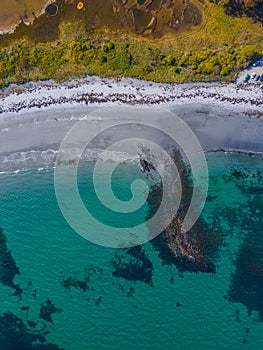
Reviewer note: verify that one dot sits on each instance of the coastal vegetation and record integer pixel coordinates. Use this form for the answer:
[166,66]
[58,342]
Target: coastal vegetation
[214,46]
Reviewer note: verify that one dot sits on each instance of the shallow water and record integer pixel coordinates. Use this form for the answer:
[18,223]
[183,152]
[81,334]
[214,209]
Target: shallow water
[95,307]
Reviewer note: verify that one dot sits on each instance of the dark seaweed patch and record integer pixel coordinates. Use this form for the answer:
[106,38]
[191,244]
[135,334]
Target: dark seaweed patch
[15,336]
[247,181]
[47,309]
[211,198]
[133,265]
[239,174]
[8,268]
[131,292]
[32,324]
[82,282]
[247,280]
[98,301]
[231,216]
[238,316]
[25,308]
[75,282]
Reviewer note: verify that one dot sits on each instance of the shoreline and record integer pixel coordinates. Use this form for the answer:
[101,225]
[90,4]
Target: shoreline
[225,118]
[31,159]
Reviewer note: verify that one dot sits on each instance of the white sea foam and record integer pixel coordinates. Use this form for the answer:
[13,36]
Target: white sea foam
[42,159]
[88,118]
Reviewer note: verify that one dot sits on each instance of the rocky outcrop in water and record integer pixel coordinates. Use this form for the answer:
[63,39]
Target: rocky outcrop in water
[187,249]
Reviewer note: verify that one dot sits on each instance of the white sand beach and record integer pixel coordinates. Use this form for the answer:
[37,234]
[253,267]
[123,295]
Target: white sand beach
[94,90]
[36,116]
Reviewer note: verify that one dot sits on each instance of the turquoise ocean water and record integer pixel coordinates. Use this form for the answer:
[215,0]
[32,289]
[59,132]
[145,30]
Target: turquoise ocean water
[71,296]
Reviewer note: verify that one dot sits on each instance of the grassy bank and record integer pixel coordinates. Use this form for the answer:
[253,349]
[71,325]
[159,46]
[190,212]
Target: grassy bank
[216,49]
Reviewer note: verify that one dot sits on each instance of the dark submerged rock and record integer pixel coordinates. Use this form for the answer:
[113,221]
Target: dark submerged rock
[25,308]
[75,282]
[82,282]
[8,268]
[146,166]
[47,309]
[131,292]
[133,265]
[98,301]
[15,336]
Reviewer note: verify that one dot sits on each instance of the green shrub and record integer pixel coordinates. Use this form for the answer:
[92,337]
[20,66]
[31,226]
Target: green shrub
[121,60]
[168,60]
[80,53]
